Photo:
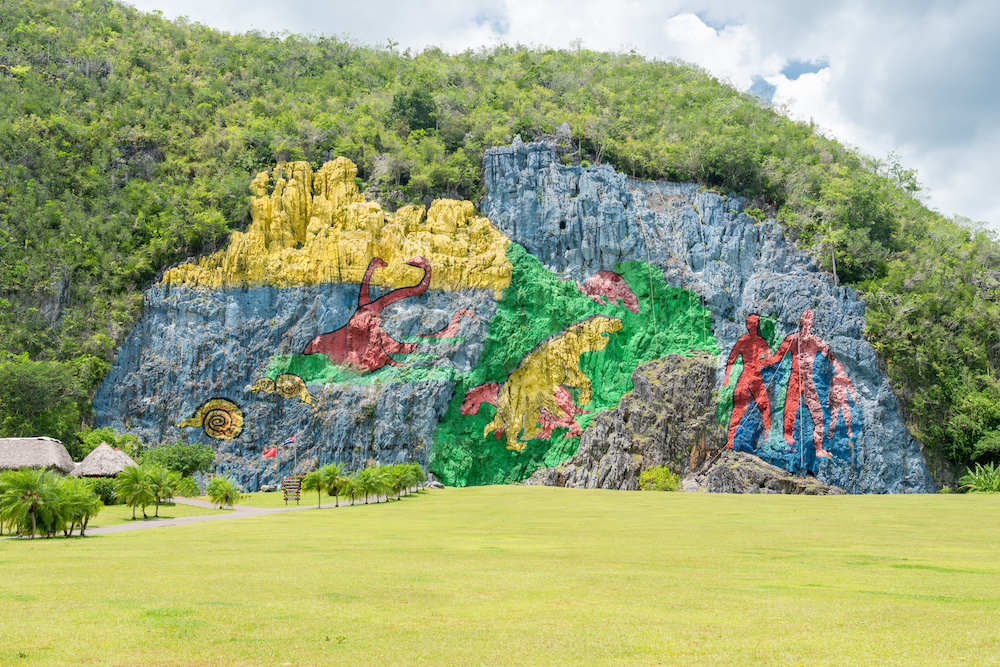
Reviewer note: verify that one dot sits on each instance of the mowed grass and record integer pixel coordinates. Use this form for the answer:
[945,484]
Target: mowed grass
[525,575]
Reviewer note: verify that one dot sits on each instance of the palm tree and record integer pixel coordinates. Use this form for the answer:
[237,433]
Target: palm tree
[79,504]
[353,488]
[314,482]
[373,481]
[135,488]
[30,496]
[333,481]
[4,485]
[416,475]
[419,475]
[396,478]
[89,508]
[163,484]
[223,491]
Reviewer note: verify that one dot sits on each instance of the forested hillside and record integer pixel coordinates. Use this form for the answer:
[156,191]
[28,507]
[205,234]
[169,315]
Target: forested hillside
[127,143]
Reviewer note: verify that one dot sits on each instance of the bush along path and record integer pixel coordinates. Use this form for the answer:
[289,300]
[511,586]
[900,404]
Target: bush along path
[238,512]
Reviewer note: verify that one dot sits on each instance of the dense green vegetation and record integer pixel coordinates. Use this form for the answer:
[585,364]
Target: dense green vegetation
[127,142]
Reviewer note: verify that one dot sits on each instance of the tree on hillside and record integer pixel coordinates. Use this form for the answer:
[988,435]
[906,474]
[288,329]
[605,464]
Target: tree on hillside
[39,399]
[91,438]
[186,459]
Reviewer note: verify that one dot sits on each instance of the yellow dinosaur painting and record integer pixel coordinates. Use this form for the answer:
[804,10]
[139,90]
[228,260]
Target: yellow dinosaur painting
[528,398]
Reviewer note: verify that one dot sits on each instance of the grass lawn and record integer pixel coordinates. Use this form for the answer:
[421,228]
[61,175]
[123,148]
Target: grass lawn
[525,575]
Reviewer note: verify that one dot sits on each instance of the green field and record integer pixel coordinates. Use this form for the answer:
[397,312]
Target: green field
[524,575]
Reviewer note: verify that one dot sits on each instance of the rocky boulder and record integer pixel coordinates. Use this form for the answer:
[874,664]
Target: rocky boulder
[668,419]
[741,472]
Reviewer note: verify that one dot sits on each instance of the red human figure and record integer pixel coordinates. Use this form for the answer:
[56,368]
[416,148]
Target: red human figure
[840,384]
[362,342]
[488,392]
[803,346]
[753,349]
[610,285]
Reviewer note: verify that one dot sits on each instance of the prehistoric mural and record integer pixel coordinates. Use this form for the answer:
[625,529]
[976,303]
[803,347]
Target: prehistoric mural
[219,417]
[428,334]
[794,380]
[362,344]
[286,385]
[534,399]
[553,347]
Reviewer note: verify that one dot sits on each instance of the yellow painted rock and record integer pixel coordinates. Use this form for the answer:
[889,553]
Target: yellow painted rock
[315,228]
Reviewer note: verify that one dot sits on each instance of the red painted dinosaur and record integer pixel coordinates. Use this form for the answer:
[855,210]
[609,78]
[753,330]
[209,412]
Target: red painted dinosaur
[362,343]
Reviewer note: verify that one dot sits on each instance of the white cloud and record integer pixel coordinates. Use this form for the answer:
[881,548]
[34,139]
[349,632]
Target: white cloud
[917,76]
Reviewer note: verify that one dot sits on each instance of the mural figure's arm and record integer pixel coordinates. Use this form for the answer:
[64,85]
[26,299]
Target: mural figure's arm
[781,351]
[737,351]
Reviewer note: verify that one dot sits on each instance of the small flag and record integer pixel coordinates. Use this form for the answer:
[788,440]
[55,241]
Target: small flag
[271,453]
[290,441]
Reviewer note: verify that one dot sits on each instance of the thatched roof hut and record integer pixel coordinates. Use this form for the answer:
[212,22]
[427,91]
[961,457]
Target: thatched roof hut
[46,453]
[103,462]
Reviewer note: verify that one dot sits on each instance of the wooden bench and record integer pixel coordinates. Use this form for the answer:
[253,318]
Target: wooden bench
[292,488]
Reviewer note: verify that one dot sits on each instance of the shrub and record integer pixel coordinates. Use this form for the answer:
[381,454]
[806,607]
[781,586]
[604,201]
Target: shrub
[984,479]
[104,488]
[180,457]
[187,488]
[658,478]
[223,492]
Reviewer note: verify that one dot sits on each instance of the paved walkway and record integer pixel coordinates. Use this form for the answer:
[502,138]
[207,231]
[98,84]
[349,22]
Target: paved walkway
[238,512]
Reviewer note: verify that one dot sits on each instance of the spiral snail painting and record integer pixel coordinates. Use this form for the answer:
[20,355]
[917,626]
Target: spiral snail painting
[221,418]
[287,385]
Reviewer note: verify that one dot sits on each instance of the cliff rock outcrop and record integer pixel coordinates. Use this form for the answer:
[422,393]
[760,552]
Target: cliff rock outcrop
[668,419]
[490,347]
[741,472]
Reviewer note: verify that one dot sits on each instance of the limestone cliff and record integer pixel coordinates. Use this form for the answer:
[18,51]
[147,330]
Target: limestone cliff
[490,347]
[315,228]
[840,421]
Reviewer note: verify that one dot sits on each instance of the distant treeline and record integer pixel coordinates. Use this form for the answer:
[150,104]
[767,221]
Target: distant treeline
[127,143]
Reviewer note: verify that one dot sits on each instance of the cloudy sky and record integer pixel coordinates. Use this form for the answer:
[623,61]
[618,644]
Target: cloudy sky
[917,77]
